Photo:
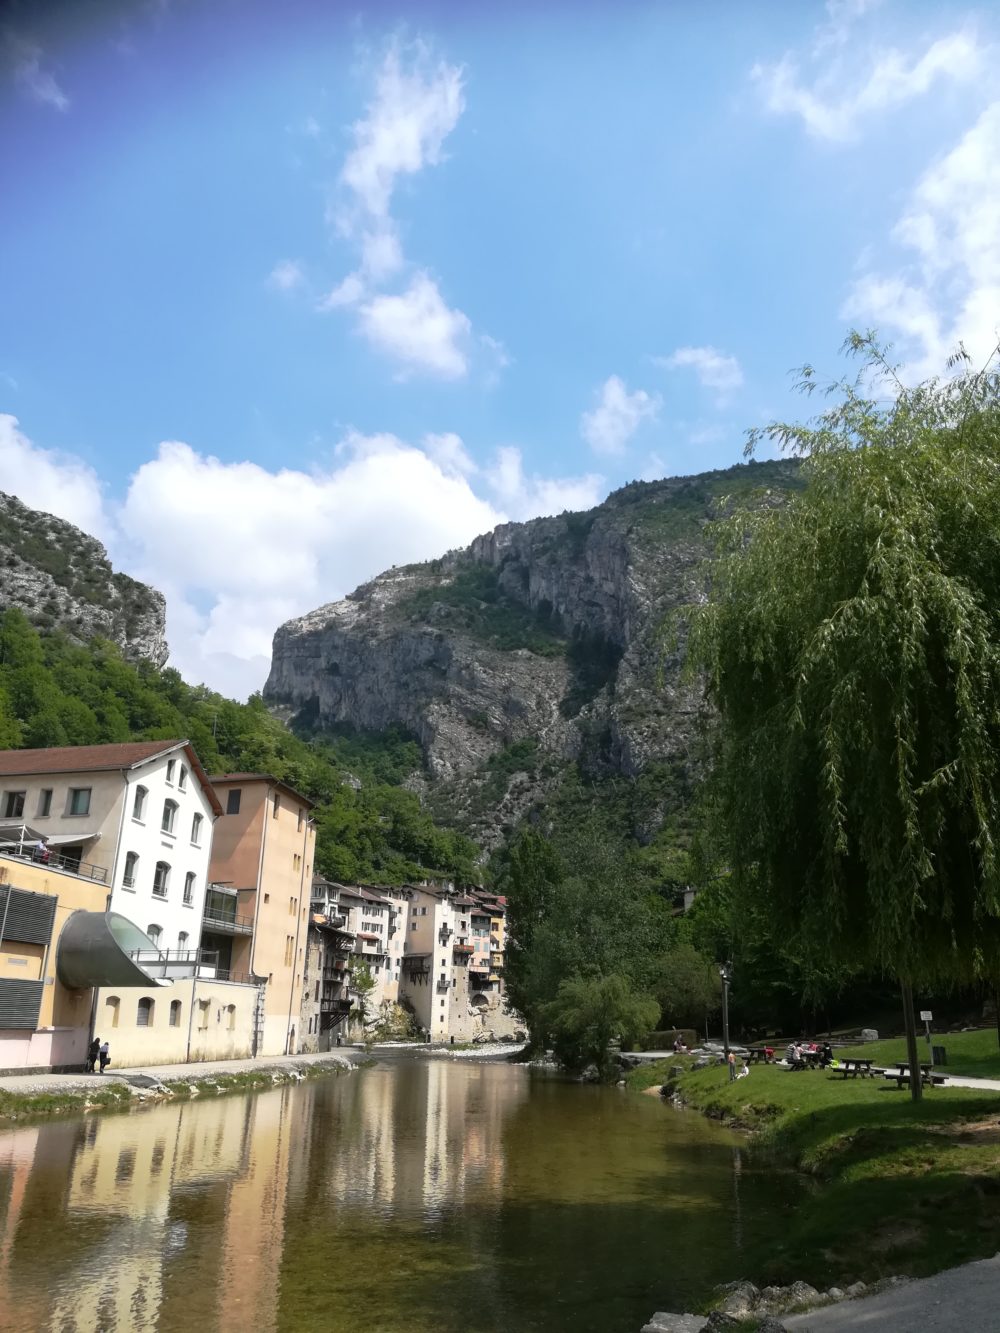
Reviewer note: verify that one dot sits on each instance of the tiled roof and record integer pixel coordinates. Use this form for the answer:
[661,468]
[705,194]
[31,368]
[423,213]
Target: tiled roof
[82,758]
[269,778]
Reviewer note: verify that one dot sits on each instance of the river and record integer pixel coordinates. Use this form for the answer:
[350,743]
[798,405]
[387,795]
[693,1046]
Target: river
[422,1195]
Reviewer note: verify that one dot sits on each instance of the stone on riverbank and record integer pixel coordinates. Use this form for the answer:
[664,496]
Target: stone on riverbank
[741,1298]
[662,1322]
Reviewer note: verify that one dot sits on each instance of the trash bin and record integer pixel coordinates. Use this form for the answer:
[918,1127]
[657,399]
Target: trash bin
[939,1055]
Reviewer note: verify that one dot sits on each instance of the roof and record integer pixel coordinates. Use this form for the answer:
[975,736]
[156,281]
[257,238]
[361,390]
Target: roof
[82,758]
[121,758]
[269,778]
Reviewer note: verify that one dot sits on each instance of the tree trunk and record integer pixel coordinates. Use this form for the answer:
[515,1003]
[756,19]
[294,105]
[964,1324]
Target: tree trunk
[910,1022]
[996,1007]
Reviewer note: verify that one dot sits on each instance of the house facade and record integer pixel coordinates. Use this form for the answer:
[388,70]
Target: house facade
[261,872]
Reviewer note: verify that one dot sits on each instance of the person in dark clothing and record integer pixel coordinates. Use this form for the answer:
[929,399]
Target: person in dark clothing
[93,1051]
[105,1054]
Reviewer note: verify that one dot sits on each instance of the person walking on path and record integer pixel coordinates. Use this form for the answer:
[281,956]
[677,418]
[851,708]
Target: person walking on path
[105,1053]
[93,1051]
[732,1067]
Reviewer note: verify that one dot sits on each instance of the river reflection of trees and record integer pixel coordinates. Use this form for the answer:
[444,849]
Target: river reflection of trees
[419,1195]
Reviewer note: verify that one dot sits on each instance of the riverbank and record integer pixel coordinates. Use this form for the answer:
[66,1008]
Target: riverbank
[28,1096]
[900,1187]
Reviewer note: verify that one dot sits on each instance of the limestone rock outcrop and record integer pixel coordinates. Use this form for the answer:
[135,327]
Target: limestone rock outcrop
[61,578]
[548,634]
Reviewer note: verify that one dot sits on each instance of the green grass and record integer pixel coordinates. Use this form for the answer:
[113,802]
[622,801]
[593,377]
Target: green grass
[899,1187]
[970,1054]
[26,1106]
[648,1075]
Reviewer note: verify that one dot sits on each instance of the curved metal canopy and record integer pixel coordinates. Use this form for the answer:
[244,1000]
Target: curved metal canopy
[94,950]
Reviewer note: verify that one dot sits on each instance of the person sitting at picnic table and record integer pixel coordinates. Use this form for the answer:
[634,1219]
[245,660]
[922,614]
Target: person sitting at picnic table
[825,1055]
[794,1056]
[768,1055]
[679,1045]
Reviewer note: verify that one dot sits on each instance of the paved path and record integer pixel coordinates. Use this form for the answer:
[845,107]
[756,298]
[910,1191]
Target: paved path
[201,1069]
[961,1300]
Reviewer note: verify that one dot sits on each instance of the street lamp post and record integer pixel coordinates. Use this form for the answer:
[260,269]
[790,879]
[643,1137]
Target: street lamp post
[726,973]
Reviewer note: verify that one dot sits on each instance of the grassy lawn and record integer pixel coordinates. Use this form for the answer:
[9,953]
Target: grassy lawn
[899,1188]
[972,1054]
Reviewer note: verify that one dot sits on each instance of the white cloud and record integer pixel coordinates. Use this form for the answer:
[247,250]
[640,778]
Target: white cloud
[418,329]
[49,480]
[347,292]
[839,101]
[715,370]
[527,497]
[39,82]
[415,107]
[286,275]
[282,542]
[948,285]
[617,416]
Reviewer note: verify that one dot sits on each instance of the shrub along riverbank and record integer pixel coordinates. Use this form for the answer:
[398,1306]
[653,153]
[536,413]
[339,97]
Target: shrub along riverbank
[901,1187]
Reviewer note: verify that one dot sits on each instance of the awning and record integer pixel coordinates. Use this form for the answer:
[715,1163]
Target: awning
[94,950]
[68,839]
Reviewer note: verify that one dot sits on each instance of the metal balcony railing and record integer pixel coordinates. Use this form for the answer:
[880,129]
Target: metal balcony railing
[56,861]
[226,923]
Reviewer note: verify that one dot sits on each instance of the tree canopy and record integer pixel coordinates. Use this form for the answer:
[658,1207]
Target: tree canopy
[851,648]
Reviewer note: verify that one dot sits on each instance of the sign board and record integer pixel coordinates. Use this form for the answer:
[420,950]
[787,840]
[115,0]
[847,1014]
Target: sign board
[926,1016]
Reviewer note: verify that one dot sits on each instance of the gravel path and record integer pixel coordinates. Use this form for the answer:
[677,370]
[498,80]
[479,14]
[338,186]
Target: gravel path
[33,1083]
[960,1300]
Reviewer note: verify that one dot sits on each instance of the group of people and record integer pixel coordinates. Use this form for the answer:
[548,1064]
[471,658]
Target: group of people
[802,1055]
[98,1051]
[733,1073]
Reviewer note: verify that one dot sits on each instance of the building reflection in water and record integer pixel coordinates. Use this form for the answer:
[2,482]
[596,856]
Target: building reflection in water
[176,1215]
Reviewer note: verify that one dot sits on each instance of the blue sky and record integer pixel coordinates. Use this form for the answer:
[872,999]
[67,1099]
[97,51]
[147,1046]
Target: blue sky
[293,293]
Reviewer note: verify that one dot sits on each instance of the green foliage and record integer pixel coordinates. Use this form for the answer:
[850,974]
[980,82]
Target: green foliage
[363,983]
[53,692]
[689,987]
[471,601]
[589,1013]
[851,646]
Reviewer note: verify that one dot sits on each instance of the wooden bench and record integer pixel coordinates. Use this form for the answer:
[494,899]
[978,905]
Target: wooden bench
[851,1068]
[927,1076]
[757,1054]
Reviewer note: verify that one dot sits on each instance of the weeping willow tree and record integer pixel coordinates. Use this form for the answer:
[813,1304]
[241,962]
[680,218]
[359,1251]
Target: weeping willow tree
[851,647]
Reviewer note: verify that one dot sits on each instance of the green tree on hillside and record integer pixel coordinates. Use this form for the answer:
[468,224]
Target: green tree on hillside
[851,646]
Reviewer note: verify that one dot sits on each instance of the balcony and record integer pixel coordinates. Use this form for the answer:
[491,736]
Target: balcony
[69,865]
[443,986]
[226,923]
[445,934]
[463,946]
[175,964]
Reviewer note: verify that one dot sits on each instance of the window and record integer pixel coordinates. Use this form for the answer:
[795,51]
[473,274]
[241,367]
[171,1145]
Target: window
[231,1017]
[189,888]
[45,801]
[196,824]
[171,765]
[131,861]
[302,815]
[296,861]
[413,925]
[182,939]
[154,932]
[79,801]
[203,1014]
[277,806]
[13,804]
[111,1011]
[289,949]
[139,803]
[182,779]
[267,897]
[169,815]
[144,1013]
[233,801]
[293,904]
[423,911]
[161,879]
[175,1013]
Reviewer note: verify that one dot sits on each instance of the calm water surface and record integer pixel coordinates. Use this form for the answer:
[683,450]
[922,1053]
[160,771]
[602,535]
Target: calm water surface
[419,1195]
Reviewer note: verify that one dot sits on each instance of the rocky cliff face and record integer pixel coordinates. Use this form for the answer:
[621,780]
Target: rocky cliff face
[541,641]
[62,579]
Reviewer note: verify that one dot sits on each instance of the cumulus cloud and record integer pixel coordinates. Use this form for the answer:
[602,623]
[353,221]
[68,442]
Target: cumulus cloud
[284,541]
[839,99]
[947,286]
[30,73]
[418,329]
[714,369]
[47,479]
[610,425]
[523,496]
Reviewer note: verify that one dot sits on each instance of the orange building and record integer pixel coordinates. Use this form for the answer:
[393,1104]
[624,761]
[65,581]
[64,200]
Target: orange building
[256,910]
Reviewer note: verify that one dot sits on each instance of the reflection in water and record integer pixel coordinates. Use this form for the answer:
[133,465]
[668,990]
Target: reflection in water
[420,1195]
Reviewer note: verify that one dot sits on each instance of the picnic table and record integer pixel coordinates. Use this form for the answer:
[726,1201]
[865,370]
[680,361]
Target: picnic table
[851,1068]
[760,1053]
[927,1075]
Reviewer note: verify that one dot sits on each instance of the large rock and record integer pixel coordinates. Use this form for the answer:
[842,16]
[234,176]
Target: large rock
[674,1323]
[546,632]
[740,1298]
[61,578]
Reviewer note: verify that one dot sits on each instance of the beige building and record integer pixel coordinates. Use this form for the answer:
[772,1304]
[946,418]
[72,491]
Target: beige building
[258,907]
